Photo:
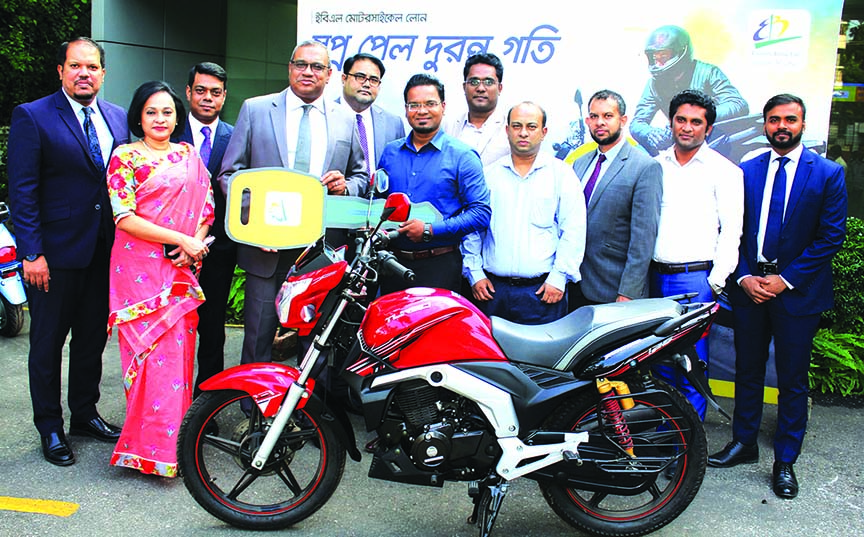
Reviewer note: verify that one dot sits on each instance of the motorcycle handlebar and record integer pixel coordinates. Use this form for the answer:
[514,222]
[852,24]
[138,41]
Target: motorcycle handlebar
[390,264]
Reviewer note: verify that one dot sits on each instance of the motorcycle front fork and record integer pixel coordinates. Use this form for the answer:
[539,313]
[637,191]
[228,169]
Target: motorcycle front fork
[297,390]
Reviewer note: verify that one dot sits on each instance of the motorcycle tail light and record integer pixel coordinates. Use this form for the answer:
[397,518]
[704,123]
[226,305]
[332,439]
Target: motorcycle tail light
[286,295]
[7,254]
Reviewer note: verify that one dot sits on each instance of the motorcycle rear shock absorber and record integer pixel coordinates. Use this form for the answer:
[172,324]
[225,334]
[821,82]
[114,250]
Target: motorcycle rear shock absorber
[612,407]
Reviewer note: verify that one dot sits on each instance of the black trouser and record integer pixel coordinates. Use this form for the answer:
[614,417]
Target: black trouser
[217,273]
[76,301]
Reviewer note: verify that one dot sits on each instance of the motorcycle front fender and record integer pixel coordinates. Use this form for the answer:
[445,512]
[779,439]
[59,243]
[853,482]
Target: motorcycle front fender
[265,382]
[12,289]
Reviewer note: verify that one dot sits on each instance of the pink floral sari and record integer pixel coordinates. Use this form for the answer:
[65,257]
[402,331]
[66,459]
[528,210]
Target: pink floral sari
[153,303]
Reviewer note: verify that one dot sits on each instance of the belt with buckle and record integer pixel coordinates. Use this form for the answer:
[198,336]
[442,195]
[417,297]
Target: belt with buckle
[413,255]
[517,282]
[678,268]
[767,268]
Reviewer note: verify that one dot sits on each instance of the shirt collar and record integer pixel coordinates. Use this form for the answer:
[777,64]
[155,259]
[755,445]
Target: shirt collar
[293,102]
[195,125]
[613,151]
[76,106]
[794,155]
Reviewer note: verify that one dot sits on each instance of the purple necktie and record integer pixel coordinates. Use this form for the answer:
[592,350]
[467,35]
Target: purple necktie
[206,146]
[361,128]
[589,186]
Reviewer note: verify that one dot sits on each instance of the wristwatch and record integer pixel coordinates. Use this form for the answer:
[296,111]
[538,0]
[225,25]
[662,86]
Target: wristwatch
[427,232]
[32,257]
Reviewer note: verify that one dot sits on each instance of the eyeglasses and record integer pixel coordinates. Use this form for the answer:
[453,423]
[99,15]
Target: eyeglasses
[428,105]
[300,65]
[488,82]
[362,78]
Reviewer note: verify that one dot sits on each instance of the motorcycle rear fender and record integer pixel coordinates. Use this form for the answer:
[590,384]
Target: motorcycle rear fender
[12,288]
[265,382]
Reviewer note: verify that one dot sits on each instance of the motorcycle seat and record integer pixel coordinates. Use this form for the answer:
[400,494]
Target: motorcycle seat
[565,343]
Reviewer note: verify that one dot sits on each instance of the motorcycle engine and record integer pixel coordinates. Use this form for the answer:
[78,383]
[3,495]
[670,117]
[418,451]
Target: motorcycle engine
[439,426]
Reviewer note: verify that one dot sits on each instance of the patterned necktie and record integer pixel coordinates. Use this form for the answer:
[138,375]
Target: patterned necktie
[771,243]
[303,154]
[93,140]
[589,186]
[361,129]
[206,146]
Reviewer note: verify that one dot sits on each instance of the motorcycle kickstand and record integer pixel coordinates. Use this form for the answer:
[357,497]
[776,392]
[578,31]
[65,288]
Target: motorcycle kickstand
[487,503]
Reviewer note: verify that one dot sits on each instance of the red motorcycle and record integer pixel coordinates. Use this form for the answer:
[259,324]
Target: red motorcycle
[453,396]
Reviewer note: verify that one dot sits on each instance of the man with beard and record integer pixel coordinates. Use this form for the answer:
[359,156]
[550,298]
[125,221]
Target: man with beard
[432,166]
[623,187]
[700,219]
[362,75]
[482,126]
[794,223]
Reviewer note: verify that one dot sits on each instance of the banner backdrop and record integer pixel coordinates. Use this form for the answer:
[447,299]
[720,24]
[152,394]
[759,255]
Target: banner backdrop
[551,50]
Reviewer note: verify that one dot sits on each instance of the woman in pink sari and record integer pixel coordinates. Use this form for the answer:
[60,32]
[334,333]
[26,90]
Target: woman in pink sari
[163,207]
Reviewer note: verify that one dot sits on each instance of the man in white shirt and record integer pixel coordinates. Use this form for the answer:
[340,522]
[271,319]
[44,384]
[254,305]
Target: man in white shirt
[700,218]
[519,267]
[482,126]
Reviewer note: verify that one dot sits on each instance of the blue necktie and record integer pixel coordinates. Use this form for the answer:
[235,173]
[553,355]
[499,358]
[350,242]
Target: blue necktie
[206,146]
[771,242]
[303,154]
[93,140]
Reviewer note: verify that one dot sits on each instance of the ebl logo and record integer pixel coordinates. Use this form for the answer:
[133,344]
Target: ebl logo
[772,30]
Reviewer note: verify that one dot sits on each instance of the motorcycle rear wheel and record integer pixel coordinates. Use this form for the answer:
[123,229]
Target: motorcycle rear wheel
[219,437]
[667,426]
[11,318]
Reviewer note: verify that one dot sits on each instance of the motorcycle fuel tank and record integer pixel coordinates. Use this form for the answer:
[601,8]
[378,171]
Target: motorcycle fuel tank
[424,326]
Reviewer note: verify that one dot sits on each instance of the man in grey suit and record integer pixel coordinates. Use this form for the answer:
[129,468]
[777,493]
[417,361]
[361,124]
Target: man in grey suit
[268,134]
[623,187]
[361,80]
[206,90]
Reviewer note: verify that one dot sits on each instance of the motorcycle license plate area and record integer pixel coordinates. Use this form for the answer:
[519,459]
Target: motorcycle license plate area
[281,208]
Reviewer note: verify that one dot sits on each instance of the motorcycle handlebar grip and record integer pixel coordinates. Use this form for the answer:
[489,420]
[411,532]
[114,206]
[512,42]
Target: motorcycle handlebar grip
[393,266]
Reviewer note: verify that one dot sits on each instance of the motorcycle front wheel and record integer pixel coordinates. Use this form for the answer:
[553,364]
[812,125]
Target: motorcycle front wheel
[221,434]
[670,449]
[11,318]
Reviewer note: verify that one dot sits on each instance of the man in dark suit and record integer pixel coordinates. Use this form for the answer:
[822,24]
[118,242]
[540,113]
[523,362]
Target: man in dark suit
[268,134]
[362,75]
[58,148]
[794,223]
[206,91]
[623,187]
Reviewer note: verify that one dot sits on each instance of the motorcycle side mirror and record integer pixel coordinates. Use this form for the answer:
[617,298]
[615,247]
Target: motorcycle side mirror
[396,208]
[380,181]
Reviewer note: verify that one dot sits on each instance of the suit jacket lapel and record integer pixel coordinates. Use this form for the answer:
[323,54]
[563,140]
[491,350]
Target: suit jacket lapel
[614,168]
[64,109]
[329,108]
[115,124]
[277,118]
[220,142]
[802,176]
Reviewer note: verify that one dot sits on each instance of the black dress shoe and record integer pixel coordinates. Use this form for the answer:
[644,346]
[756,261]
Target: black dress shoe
[733,454]
[97,428]
[785,482]
[56,449]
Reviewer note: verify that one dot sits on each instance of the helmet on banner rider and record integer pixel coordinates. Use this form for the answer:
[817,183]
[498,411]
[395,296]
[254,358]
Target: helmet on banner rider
[669,51]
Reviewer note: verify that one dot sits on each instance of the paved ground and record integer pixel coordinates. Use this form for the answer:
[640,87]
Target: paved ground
[114,501]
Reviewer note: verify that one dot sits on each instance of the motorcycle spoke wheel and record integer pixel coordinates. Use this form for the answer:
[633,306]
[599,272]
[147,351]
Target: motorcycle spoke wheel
[669,441]
[218,442]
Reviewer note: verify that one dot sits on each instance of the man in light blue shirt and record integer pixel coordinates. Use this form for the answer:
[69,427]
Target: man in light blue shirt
[519,267]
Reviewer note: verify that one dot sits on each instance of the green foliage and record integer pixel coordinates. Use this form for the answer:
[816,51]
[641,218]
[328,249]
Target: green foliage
[837,360]
[848,313]
[32,31]
[236,297]
[836,364]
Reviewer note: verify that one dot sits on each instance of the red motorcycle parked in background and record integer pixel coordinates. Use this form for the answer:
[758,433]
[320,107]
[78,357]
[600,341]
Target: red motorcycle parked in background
[453,396]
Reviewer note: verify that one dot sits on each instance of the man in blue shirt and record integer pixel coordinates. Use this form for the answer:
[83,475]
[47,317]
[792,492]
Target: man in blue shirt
[428,165]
